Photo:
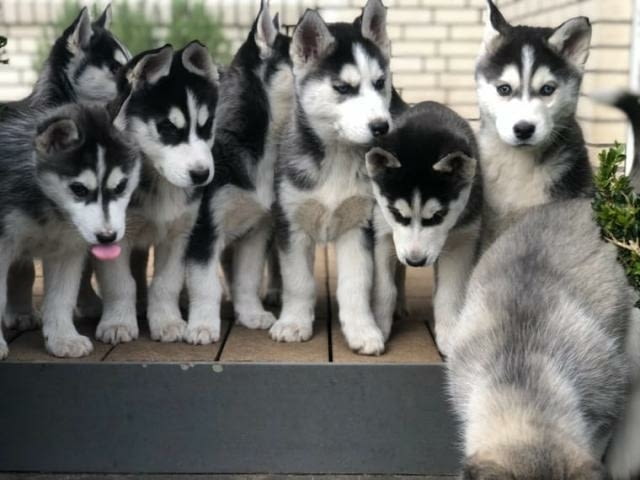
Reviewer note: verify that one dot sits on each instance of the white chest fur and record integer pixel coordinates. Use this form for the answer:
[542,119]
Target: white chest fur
[513,179]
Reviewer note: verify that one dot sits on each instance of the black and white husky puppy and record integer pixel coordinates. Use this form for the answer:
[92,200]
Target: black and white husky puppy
[342,90]
[256,97]
[81,67]
[541,360]
[166,104]
[429,206]
[532,149]
[67,178]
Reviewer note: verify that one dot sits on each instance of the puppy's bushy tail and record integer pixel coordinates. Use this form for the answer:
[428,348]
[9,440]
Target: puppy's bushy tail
[629,103]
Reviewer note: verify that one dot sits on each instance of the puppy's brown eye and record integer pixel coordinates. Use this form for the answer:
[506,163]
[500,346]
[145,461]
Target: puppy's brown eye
[120,187]
[379,84]
[343,88]
[79,190]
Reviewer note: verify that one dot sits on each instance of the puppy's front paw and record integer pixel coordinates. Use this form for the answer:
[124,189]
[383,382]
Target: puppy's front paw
[201,334]
[364,339]
[68,346]
[115,333]
[289,329]
[4,350]
[256,320]
[167,330]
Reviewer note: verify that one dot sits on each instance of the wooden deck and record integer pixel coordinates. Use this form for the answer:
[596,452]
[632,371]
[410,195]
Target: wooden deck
[411,341]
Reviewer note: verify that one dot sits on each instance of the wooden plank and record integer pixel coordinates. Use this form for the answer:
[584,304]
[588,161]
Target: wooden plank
[226,418]
[245,345]
[145,350]
[28,347]
[410,341]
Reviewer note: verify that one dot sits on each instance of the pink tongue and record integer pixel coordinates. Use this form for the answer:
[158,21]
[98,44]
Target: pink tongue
[106,252]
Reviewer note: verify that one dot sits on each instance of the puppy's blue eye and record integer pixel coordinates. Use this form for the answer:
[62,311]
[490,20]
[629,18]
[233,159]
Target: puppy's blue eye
[379,84]
[343,88]
[79,190]
[547,90]
[504,90]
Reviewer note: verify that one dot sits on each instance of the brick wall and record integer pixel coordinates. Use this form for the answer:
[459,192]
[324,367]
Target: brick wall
[435,43]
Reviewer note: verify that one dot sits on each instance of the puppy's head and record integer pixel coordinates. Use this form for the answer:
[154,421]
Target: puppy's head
[422,175]
[90,57]
[342,75]
[167,104]
[528,79]
[89,170]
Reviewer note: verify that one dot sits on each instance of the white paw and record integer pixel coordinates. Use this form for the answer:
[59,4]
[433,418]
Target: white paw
[256,320]
[70,346]
[22,321]
[115,333]
[364,339]
[4,350]
[291,330]
[169,330]
[201,334]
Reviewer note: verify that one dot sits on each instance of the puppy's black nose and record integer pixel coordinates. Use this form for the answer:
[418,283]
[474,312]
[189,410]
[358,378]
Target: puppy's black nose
[379,127]
[199,176]
[524,130]
[106,237]
[416,263]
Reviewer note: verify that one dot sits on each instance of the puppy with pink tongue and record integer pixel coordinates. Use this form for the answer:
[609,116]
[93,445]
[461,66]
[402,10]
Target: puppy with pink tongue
[69,198]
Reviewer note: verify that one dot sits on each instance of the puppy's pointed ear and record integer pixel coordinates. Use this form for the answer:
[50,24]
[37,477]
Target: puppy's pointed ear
[311,39]
[104,20]
[57,135]
[495,26]
[196,59]
[572,40]
[457,163]
[374,25]
[379,159]
[81,31]
[266,31]
[151,67]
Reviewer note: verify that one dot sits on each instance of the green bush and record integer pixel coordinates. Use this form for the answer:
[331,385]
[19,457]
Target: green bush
[138,27]
[617,211]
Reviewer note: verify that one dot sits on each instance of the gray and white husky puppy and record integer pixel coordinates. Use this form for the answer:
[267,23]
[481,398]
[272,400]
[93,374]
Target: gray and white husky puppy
[81,67]
[67,178]
[342,90]
[256,97]
[532,149]
[429,194]
[540,361]
[623,459]
[166,104]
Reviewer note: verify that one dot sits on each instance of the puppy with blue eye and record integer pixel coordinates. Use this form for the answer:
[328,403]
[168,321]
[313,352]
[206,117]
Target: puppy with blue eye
[429,200]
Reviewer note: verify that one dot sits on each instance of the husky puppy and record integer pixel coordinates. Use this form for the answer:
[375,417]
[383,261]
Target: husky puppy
[532,149]
[81,67]
[623,461]
[65,190]
[429,204]
[343,92]
[538,370]
[166,104]
[256,96]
